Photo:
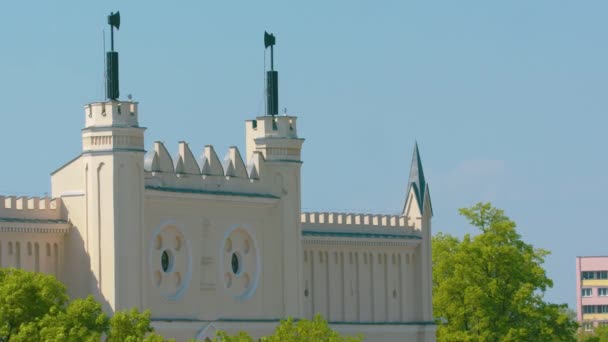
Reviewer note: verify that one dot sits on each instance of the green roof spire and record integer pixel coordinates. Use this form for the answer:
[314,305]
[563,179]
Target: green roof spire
[416,179]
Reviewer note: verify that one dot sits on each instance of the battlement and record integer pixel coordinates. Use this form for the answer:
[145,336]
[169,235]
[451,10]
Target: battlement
[184,171]
[111,113]
[275,136]
[274,126]
[36,208]
[359,222]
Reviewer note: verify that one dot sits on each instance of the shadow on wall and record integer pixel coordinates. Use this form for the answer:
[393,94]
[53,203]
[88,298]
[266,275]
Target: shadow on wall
[77,274]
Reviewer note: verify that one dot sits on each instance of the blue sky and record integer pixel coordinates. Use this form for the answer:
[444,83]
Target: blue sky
[507,100]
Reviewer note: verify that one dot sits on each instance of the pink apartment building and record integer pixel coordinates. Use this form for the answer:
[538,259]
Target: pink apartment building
[592,291]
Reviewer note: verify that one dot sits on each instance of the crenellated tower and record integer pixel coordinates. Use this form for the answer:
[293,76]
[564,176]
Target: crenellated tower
[113,153]
[276,138]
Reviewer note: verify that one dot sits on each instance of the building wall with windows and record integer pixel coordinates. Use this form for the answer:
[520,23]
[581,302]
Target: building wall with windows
[592,291]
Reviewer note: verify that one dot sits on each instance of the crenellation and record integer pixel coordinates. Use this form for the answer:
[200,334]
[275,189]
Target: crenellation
[233,164]
[111,113]
[39,208]
[375,220]
[32,203]
[403,222]
[21,203]
[165,162]
[43,204]
[393,221]
[185,162]
[352,219]
[256,166]
[211,165]
[208,174]
[10,202]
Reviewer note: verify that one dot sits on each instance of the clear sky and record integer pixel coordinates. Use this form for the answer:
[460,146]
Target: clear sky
[507,100]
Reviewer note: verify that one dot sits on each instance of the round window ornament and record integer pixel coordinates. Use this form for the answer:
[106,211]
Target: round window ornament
[239,261]
[170,260]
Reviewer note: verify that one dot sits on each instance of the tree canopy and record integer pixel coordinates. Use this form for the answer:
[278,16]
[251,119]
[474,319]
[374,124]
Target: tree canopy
[289,330]
[599,335]
[490,287]
[36,307]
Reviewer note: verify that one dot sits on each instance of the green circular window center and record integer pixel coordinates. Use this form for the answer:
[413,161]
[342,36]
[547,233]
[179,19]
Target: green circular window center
[165,261]
[235,263]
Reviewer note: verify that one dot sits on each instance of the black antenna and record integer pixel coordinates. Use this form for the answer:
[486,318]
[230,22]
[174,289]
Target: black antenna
[112,89]
[272,78]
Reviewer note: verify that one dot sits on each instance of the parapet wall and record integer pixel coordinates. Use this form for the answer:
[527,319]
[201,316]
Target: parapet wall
[207,172]
[111,113]
[37,208]
[352,221]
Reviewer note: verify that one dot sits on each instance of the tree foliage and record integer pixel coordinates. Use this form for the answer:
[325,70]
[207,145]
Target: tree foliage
[490,287]
[599,335]
[289,330]
[35,307]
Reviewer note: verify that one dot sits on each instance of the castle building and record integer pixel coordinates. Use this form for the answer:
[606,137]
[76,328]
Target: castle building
[592,291]
[213,244]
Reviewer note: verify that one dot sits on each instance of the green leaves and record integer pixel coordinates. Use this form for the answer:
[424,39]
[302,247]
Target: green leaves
[490,287]
[34,307]
[294,331]
[27,297]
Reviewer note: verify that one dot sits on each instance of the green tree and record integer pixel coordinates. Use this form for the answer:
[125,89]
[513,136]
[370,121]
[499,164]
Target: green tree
[82,320]
[132,326]
[490,287]
[599,335]
[289,330]
[35,307]
[27,297]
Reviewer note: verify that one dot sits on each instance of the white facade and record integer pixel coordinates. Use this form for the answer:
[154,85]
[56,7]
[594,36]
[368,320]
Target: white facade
[208,243]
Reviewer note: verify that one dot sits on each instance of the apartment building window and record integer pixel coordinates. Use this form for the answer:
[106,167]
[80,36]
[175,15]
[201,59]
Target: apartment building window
[602,308]
[588,326]
[588,309]
[586,292]
[603,324]
[602,291]
[588,275]
[601,275]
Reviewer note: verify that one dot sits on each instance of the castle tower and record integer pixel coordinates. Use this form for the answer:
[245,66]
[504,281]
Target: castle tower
[276,138]
[113,152]
[419,211]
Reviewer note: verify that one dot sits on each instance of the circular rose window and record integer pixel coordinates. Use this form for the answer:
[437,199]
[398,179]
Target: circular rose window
[170,261]
[239,263]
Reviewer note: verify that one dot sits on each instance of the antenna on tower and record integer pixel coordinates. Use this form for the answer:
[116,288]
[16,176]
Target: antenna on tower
[272,78]
[112,89]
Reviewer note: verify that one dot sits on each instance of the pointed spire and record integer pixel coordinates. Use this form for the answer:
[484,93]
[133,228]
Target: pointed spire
[417,176]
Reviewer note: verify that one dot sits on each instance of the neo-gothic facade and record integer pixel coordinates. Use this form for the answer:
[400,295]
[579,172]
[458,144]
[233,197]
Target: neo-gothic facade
[221,244]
